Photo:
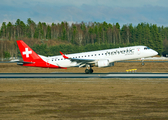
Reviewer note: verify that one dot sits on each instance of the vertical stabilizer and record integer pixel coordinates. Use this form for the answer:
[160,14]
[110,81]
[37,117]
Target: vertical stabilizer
[27,53]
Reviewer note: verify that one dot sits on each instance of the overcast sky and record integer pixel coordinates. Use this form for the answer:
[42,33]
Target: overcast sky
[111,11]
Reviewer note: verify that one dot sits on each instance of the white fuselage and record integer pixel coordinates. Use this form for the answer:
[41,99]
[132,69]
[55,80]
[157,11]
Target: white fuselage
[112,55]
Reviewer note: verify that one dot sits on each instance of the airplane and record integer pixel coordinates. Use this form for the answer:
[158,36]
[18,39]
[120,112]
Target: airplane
[99,58]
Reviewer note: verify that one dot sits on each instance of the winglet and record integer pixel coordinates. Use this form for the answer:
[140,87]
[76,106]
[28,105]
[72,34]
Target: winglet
[63,55]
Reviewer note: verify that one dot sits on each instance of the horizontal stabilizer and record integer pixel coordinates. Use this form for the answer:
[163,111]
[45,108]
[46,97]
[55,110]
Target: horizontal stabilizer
[23,62]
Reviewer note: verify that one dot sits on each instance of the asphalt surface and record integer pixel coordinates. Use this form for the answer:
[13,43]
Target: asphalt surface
[83,75]
[148,61]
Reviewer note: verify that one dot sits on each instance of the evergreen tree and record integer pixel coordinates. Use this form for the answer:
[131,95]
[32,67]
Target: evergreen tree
[139,34]
[132,34]
[3,30]
[92,35]
[9,30]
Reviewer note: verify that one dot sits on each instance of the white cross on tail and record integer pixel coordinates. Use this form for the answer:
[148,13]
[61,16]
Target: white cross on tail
[27,52]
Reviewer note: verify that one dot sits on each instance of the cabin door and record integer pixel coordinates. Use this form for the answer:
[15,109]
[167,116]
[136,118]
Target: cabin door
[138,51]
[47,63]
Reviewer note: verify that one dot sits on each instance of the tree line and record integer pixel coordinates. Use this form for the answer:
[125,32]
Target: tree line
[49,39]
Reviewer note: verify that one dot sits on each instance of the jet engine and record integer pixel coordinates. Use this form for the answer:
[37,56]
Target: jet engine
[103,63]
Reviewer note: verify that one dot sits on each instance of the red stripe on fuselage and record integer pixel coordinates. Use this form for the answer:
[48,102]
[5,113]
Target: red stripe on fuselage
[43,65]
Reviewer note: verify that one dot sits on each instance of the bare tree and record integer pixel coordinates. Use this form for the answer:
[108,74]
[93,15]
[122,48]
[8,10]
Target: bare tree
[1,50]
[32,28]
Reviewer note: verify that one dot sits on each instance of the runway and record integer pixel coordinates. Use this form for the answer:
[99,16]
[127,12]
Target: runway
[83,75]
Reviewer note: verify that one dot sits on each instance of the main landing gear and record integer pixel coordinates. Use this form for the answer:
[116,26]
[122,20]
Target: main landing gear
[88,70]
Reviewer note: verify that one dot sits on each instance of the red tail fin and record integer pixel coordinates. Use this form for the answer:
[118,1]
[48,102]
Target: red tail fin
[30,58]
[27,53]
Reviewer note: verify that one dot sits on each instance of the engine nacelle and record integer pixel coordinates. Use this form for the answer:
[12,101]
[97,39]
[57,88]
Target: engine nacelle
[103,63]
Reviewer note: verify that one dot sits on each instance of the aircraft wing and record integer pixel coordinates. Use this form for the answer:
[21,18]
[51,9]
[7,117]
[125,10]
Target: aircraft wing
[78,60]
[81,60]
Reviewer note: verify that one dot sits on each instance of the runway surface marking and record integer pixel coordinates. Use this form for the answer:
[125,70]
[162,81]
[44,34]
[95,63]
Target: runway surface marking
[82,75]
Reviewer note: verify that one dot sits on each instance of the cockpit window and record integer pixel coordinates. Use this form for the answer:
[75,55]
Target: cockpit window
[146,48]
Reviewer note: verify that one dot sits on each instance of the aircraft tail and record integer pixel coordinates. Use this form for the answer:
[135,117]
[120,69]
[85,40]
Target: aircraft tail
[30,58]
[27,53]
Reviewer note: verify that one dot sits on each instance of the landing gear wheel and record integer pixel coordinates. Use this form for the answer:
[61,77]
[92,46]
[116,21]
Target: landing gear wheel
[143,63]
[89,71]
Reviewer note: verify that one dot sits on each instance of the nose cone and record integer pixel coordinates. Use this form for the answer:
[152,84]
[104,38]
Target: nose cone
[155,53]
